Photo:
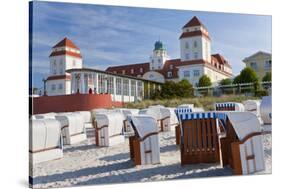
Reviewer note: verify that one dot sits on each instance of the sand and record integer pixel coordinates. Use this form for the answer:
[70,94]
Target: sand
[86,164]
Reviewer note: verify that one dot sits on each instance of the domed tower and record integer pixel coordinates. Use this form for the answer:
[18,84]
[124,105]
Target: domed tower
[195,43]
[159,56]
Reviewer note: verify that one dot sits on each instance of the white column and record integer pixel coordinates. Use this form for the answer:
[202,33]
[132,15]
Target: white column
[136,91]
[105,83]
[129,90]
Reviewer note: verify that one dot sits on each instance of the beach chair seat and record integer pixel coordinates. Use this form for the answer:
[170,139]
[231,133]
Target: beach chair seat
[144,145]
[266,110]
[45,141]
[72,127]
[242,148]
[108,128]
[229,106]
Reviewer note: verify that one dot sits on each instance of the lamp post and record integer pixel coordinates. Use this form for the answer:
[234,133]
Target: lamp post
[44,81]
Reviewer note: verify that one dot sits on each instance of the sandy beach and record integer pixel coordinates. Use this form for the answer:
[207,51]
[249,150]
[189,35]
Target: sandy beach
[86,164]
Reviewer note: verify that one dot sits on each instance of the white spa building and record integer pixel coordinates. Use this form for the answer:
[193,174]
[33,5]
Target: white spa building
[68,76]
[195,59]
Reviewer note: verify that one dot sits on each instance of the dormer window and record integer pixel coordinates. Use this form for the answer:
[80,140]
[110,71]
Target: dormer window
[123,71]
[141,70]
[132,71]
[115,72]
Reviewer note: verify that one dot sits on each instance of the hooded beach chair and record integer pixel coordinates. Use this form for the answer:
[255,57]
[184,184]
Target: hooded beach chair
[87,116]
[266,110]
[108,128]
[242,146]
[144,145]
[229,106]
[45,141]
[72,127]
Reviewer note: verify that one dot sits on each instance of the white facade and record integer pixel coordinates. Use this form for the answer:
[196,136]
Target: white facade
[196,47]
[58,87]
[158,59]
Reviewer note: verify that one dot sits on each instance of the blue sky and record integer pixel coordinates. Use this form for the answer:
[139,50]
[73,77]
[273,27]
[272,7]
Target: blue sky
[112,35]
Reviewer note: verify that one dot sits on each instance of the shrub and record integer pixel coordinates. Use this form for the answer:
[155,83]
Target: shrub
[204,81]
[226,81]
[248,75]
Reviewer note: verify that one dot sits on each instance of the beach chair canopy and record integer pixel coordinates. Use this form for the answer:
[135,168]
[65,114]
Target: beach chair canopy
[45,134]
[74,120]
[237,106]
[50,115]
[266,109]
[143,124]
[158,112]
[114,121]
[244,123]
[87,116]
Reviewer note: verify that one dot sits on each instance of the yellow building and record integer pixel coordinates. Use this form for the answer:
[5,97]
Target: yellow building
[260,62]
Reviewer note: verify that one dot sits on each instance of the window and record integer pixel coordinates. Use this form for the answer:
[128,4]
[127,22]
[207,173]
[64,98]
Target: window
[159,60]
[169,74]
[53,87]
[61,71]
[267,64]
[186,73]
[152,68]
[133,88]
[152,61]
[196,55]
[123,71]
[141,70]
[254,65]
[196,73]
[187,56]
[110,88]
[61,60]
[195,44]
[60,86]
[55,71]
[115,72]
[186,45]
[101,83]
[73,63]
[139,87]
[126,87]
[118,86]
[132,71]
[55,63]
[187,30]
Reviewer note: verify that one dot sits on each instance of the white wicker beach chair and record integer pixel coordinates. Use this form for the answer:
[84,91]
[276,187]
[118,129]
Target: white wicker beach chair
[266,110]
[45,140]
[109,128]
[229,106]
[144,146]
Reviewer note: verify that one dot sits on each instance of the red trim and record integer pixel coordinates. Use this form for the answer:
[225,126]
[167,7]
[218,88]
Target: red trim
[58,53]
[56,77]
[194,33]
[66,43]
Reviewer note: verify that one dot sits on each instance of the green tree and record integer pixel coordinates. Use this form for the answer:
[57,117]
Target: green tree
[267,77]
[248,75]
[226,81]
[184,89]
[204,81]
[236,80]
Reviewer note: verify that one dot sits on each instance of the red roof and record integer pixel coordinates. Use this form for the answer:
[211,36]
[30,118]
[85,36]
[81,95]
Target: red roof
[57,77]
[128,68]
[66,43]
[63,52]
[220,59]
[193,22]
[194,33]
